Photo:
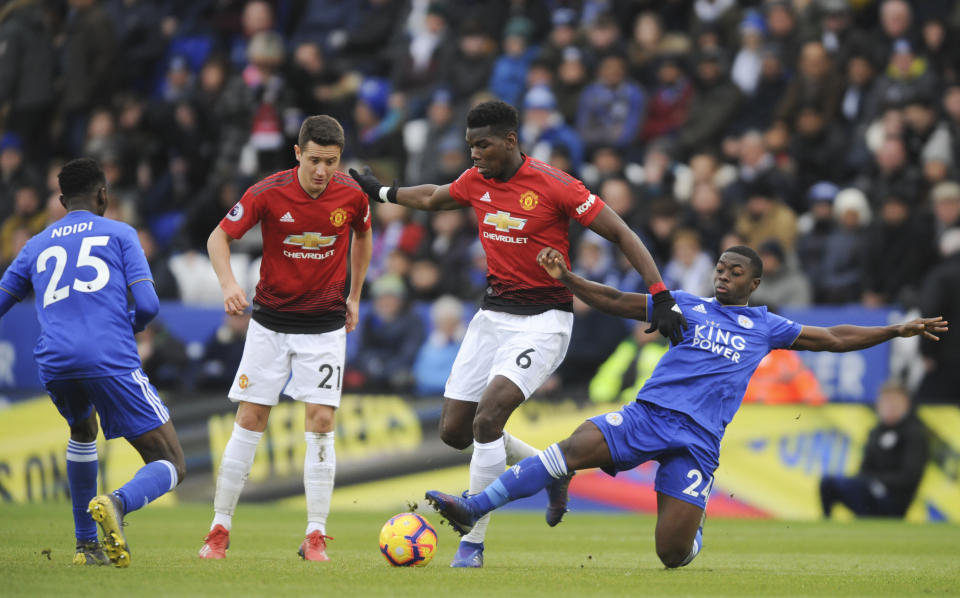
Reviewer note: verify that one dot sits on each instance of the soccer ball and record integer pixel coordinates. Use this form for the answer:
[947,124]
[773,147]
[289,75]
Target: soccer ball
[408,540]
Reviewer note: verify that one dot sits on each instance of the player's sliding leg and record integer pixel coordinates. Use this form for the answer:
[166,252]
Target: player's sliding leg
[235,465]
[164,470]
[82,472]
[586,447]
[679,532]
[319,469]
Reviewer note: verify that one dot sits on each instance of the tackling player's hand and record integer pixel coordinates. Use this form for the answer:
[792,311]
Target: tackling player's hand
[234,300]
[667,318]
[552,261]
[925,326]
[353,310]
[372,187]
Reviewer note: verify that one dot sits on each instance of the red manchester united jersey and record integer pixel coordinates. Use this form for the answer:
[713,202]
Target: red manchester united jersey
[516,219]
[305,247]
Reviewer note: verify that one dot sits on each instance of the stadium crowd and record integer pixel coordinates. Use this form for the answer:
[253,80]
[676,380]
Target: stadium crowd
[824,133]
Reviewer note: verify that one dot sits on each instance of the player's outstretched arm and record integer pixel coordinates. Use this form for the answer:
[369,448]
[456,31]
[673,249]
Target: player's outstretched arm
[218,248]
[666,316]
[845,337]
[600,296]
[421,197]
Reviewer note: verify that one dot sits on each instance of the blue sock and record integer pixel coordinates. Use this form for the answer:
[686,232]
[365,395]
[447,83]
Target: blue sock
[82,476]
[152,481]
[526,478]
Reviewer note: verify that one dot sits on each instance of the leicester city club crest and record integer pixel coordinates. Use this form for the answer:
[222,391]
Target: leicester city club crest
[528,200]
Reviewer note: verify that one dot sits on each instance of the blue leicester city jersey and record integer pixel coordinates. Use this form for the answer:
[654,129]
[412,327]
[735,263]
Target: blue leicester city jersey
[80,268]
[707,374]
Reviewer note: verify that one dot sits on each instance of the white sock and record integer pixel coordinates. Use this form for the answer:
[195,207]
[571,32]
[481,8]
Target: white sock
[234,468]
[694,551]
[488,462]
[517,450]
[319,467]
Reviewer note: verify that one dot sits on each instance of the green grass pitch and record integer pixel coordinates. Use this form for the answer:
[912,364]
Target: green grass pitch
[590,554]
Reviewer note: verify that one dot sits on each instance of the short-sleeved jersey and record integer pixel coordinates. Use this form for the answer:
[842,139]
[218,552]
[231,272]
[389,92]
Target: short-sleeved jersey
[706,375]
[80,268]
[516,219]
[305,245]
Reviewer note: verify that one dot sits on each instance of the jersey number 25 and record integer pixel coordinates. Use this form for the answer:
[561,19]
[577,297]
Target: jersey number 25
[53,294]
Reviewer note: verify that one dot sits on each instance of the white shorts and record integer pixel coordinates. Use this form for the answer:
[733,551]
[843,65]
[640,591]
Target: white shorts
[305,367]
[524,349]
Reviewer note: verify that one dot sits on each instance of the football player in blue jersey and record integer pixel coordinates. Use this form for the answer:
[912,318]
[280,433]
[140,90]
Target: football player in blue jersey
[681,412]
[81,268]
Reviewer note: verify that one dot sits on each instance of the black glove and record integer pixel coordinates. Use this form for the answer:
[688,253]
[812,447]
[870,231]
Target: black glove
[371,186]
[667,318]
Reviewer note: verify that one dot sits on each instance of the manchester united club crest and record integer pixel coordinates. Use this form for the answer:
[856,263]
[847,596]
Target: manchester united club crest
[528,200]
[244,381]
[338,217]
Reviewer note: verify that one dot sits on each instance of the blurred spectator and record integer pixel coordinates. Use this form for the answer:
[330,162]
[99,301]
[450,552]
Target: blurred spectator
[623,374]
[254,133]
[164,357]
[89,67]
[649,45]
[893,174]
[562,36]
[448,245]
[894,458]
[320,85]
[603,36]
[572,78]
[782,31]
[390,337]
[618,195]
[27,66]
[817,84]
[669,101]
[817,149]
[845,251]
[941,54]
[423,138]
[367,26]
[896,23]
[14,171]
[163,279]
[690,268]
[472,62]
[783,378]
[713,108]
[222,353]
[611,108]
[543,129]
[906,74]
[510,69]
[595,336]
[815,227]
[377,139]
[783,285]
[757,110]
[657,234]
[945,198]
[858,102]
[392,229]
[941,296]
[838,35]
[435,358]
[29,214]
[257,17]
[764,217]
[748,63]
[139,40]
[901,250]
[756,165]
[924,135]
[708,215]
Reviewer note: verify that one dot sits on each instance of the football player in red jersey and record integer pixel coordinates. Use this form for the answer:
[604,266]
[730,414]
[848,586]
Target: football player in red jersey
[296,340]
[520,334]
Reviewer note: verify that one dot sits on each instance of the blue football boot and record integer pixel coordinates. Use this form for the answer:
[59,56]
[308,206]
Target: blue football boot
[455,511]
[469,555]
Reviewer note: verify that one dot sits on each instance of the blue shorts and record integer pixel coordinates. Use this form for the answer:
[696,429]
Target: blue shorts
[128,405]
[688,454]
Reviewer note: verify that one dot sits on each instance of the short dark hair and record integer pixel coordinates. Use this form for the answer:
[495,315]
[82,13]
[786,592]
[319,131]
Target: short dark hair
[501,117]
[752,255]
[81,177]
[322,130]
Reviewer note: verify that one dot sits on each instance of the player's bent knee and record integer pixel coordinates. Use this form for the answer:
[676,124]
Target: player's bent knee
[455,438]
[487,427]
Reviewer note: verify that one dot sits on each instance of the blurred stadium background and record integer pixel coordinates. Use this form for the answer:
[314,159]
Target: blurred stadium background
[825,133]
